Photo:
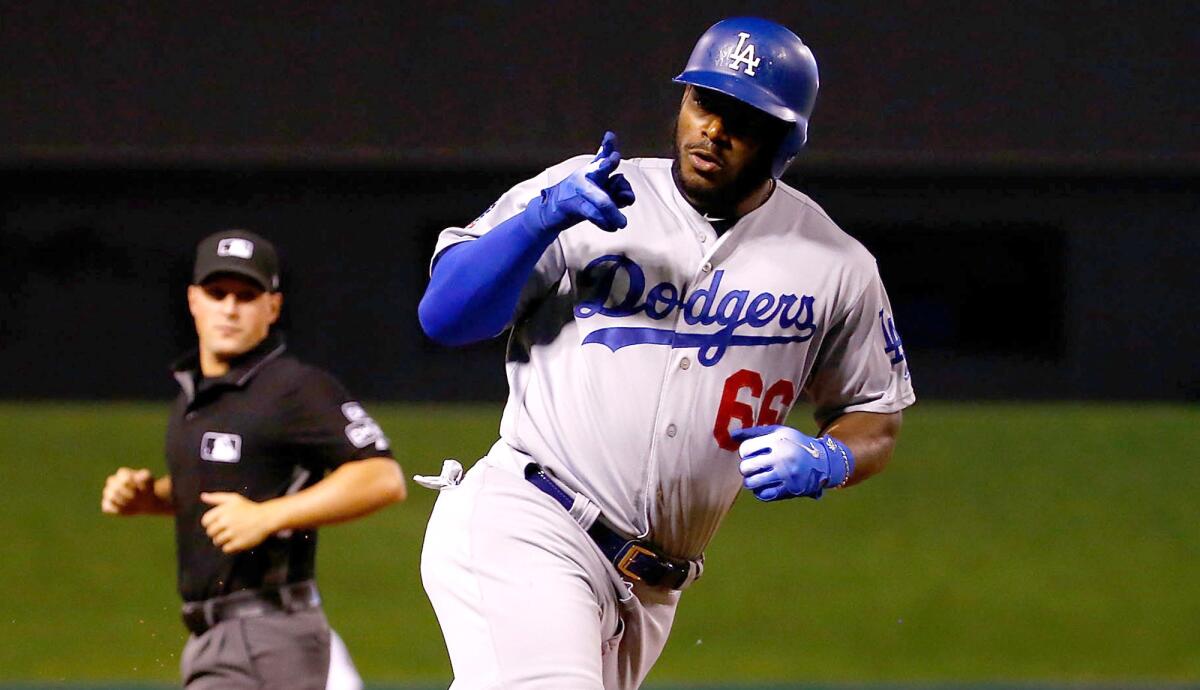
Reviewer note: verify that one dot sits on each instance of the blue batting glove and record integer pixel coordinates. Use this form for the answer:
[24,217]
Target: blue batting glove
[590,193]
[778,462]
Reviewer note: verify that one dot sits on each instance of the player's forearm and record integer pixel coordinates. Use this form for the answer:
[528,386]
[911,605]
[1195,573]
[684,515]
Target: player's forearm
[352,490]
[870,436]
[475,285]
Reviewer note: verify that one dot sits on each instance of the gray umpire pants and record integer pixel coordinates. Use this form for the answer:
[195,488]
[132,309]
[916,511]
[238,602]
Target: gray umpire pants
[296,651]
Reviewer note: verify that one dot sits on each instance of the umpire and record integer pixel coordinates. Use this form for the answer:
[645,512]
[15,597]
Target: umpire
[262,449]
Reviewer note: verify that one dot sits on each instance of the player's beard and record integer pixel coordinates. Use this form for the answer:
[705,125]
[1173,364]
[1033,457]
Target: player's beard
[721,201]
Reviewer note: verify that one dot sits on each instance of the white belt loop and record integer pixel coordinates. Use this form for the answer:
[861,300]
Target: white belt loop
[694,573]
[584,511]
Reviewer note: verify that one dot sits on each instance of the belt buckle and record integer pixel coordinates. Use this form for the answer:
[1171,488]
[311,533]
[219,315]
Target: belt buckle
[632,551]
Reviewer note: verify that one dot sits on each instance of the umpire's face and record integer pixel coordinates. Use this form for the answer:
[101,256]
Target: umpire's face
[723,147]
[232,315]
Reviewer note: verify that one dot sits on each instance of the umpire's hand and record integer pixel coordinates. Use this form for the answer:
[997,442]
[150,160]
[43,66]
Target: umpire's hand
[130,492]
[235,523]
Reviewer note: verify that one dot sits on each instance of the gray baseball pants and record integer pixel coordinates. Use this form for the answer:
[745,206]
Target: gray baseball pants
[296,651]
[524,597]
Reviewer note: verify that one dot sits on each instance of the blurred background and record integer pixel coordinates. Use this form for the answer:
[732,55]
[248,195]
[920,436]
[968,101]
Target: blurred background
[1026,173]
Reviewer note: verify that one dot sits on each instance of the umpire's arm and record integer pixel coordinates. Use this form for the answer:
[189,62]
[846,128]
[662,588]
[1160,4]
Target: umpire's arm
[350,491]
[356,488]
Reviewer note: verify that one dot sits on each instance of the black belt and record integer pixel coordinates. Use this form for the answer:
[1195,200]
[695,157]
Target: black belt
[199,616]
[635,559]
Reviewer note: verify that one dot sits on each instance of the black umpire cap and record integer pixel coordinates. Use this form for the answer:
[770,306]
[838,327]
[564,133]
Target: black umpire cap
[241,253]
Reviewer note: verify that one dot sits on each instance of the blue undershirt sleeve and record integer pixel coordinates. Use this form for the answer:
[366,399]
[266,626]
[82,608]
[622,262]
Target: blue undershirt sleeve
[474,286]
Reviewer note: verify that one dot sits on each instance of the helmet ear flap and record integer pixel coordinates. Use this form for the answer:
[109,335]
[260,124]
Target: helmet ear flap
[789,148]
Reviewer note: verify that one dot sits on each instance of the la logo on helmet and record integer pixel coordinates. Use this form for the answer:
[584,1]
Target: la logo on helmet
[744,53]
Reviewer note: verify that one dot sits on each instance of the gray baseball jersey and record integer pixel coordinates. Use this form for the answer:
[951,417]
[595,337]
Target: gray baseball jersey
[634,353]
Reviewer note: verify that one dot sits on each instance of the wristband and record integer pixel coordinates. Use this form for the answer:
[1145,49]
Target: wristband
[841,461]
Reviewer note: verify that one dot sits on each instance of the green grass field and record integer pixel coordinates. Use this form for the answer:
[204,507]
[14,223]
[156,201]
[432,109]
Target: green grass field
[1048,542]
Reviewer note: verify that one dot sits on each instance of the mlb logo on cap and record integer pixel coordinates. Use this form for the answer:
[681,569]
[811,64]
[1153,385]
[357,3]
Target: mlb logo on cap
[235,246]
[238,252]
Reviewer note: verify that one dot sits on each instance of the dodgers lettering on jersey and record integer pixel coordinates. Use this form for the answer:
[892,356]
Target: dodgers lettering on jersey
[735,309]
[634,353]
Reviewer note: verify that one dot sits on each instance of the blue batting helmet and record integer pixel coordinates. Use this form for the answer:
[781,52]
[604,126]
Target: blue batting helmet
[765,66]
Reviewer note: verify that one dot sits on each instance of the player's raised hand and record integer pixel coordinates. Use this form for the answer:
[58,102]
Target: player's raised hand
[128,492]
[779,462]
[590,193]
[616,185]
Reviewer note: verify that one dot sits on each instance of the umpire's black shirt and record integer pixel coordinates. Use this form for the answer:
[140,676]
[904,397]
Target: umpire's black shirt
[269,427]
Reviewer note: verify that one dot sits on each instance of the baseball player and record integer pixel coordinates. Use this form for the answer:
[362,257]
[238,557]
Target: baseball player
[262,450]
[665,315]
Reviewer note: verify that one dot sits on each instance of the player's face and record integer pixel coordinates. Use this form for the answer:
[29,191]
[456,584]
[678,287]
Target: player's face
[723,148]
[232,315]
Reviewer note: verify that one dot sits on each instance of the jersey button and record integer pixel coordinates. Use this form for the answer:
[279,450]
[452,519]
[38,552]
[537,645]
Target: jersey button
[671,430]
[702,237]
[685,363]
[706,267]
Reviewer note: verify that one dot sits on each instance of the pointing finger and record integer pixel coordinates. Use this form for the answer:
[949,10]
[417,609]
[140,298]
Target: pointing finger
[608,144]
